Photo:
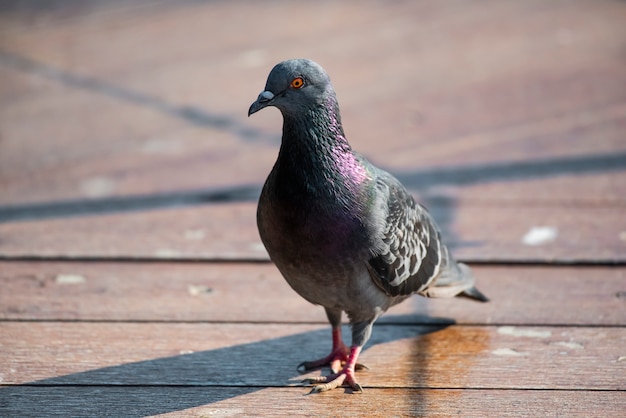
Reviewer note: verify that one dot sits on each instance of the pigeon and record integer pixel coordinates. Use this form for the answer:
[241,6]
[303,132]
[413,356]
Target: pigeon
[345,234]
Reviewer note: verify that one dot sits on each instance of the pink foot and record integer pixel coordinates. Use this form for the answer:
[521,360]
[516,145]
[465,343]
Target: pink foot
[339,378]
[335,380]
[337,358]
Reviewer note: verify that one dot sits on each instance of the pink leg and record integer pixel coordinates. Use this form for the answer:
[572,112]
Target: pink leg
[336,379]
[337,357]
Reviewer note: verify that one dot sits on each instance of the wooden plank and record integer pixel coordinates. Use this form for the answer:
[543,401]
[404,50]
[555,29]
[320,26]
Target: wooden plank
[223,231]
[553,137]
[135,150]
[228,354]
[560,189]
[282,402]
[483,232]
[165,157]
[583,233]
[532,87]
[498,83]
[256,292]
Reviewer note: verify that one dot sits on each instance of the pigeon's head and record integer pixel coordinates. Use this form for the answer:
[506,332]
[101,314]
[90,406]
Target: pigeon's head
[293,86]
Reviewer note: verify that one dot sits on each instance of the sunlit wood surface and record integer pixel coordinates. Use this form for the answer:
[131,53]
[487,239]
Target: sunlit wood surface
[133,281]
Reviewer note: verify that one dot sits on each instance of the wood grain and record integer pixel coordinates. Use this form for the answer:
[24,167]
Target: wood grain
[225,292]
[282,402]
[263,355]
[457,86]
[484,232]
[133,279]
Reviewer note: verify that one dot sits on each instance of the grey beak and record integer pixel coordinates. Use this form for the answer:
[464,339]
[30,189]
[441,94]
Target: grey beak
[264,99]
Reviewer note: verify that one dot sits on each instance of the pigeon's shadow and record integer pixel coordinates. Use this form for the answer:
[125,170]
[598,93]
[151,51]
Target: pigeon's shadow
[185,381]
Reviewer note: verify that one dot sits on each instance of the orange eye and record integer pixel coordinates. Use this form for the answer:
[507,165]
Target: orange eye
[297,82]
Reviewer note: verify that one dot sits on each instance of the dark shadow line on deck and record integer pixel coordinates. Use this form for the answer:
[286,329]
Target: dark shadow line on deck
[71,208]
[520,170]
[191,114]
[420,180]
[264,259]
[140,388]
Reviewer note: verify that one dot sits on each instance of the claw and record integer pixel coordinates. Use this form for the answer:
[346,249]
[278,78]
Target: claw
[335,366]
[337,380]
[317,379]
[333,381]
[303,367]
[360,366]
[323,388]
[338,358]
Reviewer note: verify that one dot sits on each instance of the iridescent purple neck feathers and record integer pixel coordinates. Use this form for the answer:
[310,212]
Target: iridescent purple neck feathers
[316,157]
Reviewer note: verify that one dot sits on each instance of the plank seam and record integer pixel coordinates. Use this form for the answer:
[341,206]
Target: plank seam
[383,323]
[249,260]
[208,385]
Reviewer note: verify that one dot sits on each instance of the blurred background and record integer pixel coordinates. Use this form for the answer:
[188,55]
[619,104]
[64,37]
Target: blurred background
[130,116]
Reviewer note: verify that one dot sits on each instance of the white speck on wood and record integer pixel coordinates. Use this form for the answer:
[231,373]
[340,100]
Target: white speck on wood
[195,234]
[167,253]
[70,279]
[257,246]
[98,186]
[234,412]
[568,344]
[508,352]
[539,235]
[524,332]
[198,289]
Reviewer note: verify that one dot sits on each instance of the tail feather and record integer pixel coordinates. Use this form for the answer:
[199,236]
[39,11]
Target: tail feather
[455,280]
[474,294]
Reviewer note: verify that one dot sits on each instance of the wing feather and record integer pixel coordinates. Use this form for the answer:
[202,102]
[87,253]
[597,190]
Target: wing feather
[409,256]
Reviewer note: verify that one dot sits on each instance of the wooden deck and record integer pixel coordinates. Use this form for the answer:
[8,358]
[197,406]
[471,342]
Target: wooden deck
[133,281]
